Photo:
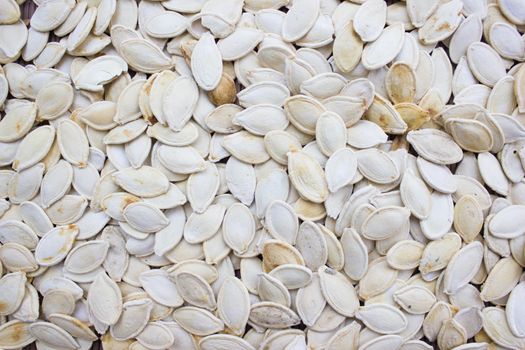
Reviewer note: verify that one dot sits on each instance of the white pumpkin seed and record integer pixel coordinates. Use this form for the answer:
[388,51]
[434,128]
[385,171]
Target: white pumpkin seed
[105,299]
[338,291]
[382,318]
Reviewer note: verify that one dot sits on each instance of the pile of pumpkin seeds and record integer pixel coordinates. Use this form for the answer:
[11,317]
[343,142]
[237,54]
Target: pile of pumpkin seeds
[262,174]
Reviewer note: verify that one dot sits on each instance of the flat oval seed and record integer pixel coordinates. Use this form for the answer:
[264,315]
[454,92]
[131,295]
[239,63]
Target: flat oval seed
[34,147]
[400,83]
[153,62]
[16,257]
[15,333]
[506,40]
[156,336]
[145,217]
[178,107]
[200,227]
[355,253]
[252,117]
[348,47]
[272,315]
[492,173]
[471,135]
[307,176]
[233,304]
[338,291]
[480,57]
[246,147]
[442,23]
[300,19]
[330,132]
[13,286]
[405,255]
[195,290]
[513,308]
[507,222]
[55,245]
[385,48]
[370,19]
[415,195]
[224,340]
[426,142]
[181,160]
[145,181]
[17,122]
[385,222]
[105,299]
[382,318]
[202,187]
[51,14]
[276,253]
[241,180]
[87,256]
[415,299]
[197,321]
[377,279]
[73,143]
[377,166]
[53,335]
[501,279]
[312,245]
[238,227]
[468,218]
[462,267]
[438,177]
[497,328]
[340,169]
[206,63]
